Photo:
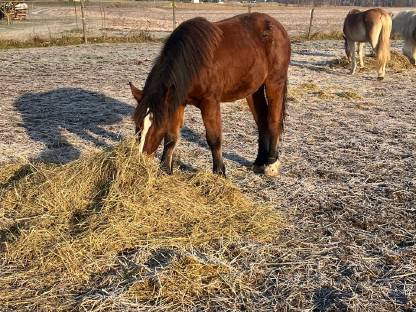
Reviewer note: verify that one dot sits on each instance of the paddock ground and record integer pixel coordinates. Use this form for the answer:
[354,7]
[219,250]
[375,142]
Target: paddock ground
[347,184]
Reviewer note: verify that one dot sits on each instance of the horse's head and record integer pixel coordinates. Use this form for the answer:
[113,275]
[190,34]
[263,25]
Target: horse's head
[149,133]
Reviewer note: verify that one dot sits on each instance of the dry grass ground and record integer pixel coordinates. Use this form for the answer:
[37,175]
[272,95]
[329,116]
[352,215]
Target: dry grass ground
[128,235]
[347,186]
[75,39]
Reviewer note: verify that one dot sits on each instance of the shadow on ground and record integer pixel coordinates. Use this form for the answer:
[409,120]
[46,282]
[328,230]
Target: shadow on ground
[191,136]
[48,117]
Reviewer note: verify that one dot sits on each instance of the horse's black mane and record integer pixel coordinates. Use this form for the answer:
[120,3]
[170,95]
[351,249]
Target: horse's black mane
[188,48]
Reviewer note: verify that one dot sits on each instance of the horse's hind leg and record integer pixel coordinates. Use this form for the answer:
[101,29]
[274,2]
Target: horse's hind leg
[211,115]
[361,53]
[171,139]
[276,90]
[258,106]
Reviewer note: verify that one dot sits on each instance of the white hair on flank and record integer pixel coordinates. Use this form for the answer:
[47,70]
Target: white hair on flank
[147,123]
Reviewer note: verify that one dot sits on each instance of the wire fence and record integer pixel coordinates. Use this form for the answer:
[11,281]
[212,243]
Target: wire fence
[110,18]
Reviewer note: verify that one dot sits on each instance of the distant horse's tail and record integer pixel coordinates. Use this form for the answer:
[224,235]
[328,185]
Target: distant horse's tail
[383,45]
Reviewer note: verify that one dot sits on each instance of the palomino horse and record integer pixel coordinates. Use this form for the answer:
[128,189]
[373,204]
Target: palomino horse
[204,64]
[404,23]
[372,26]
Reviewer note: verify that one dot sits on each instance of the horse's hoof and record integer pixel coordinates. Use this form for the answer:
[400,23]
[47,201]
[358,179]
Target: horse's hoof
[220,171]
[380,78]
[166,168]
[273,169]
[258,169]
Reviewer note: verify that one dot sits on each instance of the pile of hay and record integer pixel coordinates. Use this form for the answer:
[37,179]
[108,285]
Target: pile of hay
[110,231]
[332,35]
[397,63]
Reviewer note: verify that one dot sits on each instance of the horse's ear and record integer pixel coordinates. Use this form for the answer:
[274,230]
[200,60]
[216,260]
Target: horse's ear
[138,94]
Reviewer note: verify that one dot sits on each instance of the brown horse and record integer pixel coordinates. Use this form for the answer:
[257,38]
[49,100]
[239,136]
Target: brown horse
[372,26]
[204,64]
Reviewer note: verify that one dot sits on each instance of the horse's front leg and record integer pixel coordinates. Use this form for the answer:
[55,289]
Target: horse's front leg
[211,115]
[361,53]
[171,139]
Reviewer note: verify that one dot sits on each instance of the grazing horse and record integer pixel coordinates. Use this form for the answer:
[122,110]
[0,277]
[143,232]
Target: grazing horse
[372,26]
[404,23]
[204,64]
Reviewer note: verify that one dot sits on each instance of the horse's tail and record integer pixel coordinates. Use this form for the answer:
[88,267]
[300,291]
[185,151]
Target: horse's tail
[283,114]
[383,44]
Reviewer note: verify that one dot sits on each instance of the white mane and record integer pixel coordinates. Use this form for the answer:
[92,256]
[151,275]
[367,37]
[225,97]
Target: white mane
[404,23]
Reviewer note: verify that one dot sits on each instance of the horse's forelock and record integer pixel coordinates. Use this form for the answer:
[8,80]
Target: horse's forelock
[139,113]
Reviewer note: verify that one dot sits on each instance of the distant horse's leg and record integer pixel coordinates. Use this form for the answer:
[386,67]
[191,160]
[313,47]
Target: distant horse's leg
[171,139]
[361,53]
[413,59]
[409,51]
[351,48]
[276,90]
[211,115]
[258,106]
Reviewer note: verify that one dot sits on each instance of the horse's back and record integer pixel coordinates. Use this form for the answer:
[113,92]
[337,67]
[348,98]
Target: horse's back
[359,24]
[253,47]
[255,33]
[259,26]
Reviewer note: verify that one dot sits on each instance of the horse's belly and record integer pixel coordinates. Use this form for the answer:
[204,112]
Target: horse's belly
[358,35]
[241,85]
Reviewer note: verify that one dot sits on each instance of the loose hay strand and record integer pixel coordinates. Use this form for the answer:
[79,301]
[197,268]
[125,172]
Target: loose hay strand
[111,226]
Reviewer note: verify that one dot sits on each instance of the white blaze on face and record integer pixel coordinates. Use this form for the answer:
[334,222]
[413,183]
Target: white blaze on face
[147,123]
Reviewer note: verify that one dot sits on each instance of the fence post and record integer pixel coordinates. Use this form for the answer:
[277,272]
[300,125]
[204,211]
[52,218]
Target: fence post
[173,14]
[310,23]
[76,14]
[84,30]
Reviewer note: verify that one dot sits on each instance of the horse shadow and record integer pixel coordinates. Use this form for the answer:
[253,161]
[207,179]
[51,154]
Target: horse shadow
[48,118]
[191,136]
